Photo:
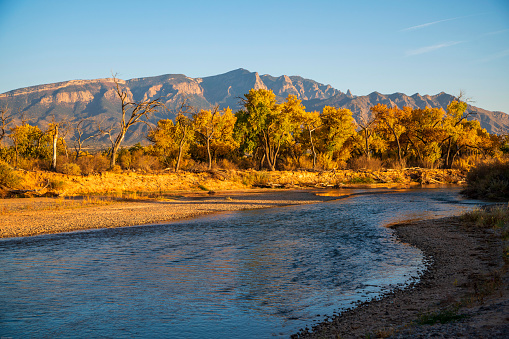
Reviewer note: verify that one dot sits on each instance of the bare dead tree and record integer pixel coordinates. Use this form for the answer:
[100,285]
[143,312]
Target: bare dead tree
[54,130]
[5,120]
[131,113]
[78,139]
[106,131]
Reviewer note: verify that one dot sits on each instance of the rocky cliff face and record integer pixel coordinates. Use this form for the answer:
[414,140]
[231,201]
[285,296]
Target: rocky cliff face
[97,101]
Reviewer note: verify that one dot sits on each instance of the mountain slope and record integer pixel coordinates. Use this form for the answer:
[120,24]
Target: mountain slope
[96,100]
[493,122]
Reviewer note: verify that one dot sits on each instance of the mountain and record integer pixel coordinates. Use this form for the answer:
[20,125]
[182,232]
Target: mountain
[494,122]
[97,100]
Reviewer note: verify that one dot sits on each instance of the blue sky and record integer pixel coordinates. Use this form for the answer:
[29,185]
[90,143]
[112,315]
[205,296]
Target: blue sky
[387,46]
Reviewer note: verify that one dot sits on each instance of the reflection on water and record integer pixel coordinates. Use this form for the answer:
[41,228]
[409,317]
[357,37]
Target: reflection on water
[246,274]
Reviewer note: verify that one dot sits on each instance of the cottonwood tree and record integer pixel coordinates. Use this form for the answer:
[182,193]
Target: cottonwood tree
[310,122]
[173,138]
[367,125]
[30,142]
[337,127]
[131,113]
[460,132]
[265,124]
[214,127]
[183,129]
[425,132]
[392,121]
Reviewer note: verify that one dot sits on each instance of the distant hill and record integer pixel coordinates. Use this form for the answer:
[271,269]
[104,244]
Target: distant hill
[97,100]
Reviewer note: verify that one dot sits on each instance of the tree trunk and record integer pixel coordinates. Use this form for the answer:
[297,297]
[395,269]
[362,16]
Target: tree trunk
[366,136]
[116,146]
[399,152]
[261,162]
[181,146]
[447,164]
[208,152]
[54,159]
[312,149]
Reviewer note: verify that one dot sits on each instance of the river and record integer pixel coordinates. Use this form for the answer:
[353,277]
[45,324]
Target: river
[249,274]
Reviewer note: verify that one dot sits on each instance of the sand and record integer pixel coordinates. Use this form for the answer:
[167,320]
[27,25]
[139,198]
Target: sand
[34,216]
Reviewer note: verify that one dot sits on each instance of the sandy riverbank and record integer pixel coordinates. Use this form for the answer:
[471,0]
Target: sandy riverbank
[467,279]
[34,216]
[468,269]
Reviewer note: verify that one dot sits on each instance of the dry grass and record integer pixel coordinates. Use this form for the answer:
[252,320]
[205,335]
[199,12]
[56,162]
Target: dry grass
[108,183]
[61,203]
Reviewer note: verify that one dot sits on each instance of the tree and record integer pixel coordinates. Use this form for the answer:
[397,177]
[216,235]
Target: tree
[79,140]
[458,130]
[5,121]
[424,131]
[53,131]
[183,129]
[392,119]
[310,122]
[30,142]
[337,127]
[173,139]
[367,126]
[266,125]
[214,127]
[131,113]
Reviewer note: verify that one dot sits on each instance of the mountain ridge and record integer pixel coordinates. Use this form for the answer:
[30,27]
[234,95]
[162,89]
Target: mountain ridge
[96,99]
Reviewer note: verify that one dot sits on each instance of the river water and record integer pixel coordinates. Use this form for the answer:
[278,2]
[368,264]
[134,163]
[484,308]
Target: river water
[249,274]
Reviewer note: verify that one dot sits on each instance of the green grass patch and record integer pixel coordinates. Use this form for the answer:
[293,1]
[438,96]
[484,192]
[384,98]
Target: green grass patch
[442,317]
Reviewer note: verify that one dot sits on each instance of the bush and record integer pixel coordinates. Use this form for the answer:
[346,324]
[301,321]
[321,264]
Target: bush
[116,169]
[70,169]
[364,162]
[93,164]
[56,184]
[227,164]
[255,178]
[324,161]
[9,177]
[489,217]
[489,181]
[146,162]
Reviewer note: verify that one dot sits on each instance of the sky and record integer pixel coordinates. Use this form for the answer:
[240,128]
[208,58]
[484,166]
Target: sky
[388,46]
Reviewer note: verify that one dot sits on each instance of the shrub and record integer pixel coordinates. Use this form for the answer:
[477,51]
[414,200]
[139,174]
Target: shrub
[255,178]
[488,181]
[9,177]
[116,169]
[364,162]
[395,164]
[93,164]
[324,161]
[227,164]
[56,184]
[146,162]
[489,217]
[70,169]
